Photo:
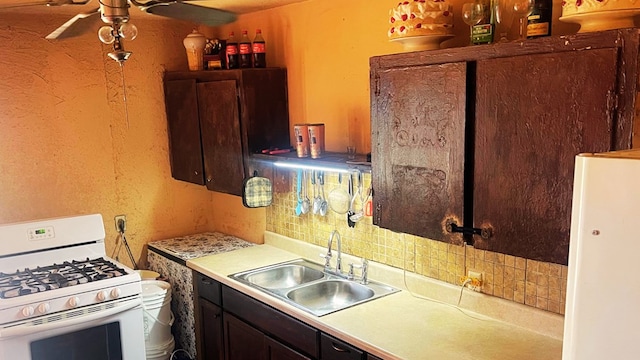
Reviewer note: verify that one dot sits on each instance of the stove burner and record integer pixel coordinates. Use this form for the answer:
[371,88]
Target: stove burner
[56,276]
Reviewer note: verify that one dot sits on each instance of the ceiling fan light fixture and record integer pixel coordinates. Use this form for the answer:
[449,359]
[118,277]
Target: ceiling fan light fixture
[105,34]
[128,31]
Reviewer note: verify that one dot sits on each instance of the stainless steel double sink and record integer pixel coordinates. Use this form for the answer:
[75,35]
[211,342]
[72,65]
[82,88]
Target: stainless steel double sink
[307,286]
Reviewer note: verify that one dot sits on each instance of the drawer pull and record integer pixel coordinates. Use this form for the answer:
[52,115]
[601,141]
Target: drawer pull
[337,348]
[206,281]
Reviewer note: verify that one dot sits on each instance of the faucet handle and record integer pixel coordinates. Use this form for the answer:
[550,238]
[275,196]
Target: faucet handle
[327,260]
[351,275]
[364,268]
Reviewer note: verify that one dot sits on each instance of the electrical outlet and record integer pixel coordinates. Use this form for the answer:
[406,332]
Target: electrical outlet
[476,280]
[117,221]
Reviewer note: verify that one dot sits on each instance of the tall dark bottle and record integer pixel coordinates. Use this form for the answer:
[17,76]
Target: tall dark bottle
[539,22]
[259,50]
[244,47]
[231,52]
[483,31]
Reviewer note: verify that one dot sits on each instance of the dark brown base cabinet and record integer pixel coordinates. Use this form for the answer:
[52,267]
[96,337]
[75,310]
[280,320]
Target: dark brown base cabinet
[216,119]
[484,137]
[233,326]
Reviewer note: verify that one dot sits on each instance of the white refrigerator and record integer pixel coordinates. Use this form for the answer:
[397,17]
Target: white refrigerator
[602,316]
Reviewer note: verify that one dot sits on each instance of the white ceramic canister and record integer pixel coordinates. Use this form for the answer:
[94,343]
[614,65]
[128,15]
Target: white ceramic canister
[194,44]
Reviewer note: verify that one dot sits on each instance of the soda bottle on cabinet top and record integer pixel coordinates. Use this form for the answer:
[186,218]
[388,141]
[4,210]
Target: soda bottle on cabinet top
[231,52]
[259,51]
[245,50]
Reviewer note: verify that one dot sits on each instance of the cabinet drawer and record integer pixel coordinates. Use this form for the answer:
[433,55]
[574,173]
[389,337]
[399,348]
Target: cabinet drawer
[271,321]
[334,349]
[207,288]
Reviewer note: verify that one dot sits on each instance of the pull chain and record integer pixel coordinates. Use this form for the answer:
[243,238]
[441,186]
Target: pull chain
[124,93]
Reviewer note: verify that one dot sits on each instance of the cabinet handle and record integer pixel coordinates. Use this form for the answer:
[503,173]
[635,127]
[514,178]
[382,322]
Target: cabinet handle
[484,232]
[209,179]
[206,281]
[337,348]
[196,172]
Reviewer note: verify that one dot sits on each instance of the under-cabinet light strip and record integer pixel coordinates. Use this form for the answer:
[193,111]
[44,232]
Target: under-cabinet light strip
[293,165]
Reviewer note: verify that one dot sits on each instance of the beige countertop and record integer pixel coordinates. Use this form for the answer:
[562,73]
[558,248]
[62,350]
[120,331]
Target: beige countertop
[405,325]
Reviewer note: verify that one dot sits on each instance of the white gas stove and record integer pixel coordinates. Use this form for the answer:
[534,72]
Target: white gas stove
[57,286]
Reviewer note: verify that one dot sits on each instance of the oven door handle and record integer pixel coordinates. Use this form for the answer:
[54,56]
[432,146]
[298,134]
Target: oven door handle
[32,329]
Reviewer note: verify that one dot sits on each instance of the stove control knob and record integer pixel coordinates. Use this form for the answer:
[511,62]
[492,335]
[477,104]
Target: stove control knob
[116,292]
[74,301]
[27,311]
[102,295]
[43,308]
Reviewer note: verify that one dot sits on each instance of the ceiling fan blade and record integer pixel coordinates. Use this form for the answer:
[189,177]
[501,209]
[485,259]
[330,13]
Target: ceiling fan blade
[57,34]
[195,13]
[42,2]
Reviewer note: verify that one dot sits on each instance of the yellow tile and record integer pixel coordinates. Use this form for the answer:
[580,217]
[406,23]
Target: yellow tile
[555,270]
[554,295]
[530,300]
[542,291]
[542,303]
[530,289]
[543,268]
[521,263]
[554,306]
[509,260]
[508,293]
[543,280]
[498,275]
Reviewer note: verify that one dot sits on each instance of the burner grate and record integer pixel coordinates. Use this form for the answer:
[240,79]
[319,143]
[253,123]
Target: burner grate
[56,276]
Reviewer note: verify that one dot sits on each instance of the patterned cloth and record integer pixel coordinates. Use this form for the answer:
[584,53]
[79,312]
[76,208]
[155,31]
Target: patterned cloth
[181,279]
[257,192]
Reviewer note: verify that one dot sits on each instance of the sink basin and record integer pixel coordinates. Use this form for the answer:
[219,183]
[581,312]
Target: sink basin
[284,276]
[307,286]
[330,295]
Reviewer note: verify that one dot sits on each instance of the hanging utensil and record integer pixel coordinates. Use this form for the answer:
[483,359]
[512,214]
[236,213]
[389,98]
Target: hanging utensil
[359,214]
[353,195]
[339,198]
[299,193]
[323,204]
[306,203]
[316,193]
[368,203]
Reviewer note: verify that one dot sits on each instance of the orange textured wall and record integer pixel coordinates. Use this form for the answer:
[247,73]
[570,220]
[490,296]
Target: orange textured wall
[66,145]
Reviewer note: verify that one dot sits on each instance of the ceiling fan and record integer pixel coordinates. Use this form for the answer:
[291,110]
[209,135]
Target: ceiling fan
[115,13]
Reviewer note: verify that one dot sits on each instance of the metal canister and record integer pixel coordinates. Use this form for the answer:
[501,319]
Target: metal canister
[301,132]
[316,140]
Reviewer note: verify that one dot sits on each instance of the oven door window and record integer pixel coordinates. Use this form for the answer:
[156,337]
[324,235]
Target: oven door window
[97,343]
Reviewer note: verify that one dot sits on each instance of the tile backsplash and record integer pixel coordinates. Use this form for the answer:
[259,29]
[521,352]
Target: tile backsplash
[538,284]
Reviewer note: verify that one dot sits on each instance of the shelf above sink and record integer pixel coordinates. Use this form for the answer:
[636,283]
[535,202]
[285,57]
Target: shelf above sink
[330,161]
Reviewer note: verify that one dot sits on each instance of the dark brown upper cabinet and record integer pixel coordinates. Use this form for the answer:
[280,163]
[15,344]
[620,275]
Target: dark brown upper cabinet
[216,119]
[485,137]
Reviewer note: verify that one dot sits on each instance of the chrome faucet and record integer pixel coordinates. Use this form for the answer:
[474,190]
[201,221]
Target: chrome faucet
[328,256]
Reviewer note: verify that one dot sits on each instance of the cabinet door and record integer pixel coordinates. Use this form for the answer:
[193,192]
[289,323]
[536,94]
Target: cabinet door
[221,139]
[242,341]
[418,139]
[210,323]
[184,131]
[534,114]
[275,350]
